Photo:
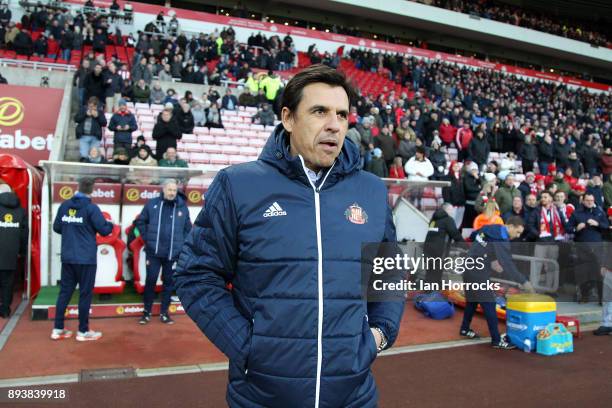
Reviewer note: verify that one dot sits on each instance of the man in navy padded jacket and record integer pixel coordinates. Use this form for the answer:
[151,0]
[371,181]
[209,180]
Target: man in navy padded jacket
[78,220]
[163,224]
[286,232]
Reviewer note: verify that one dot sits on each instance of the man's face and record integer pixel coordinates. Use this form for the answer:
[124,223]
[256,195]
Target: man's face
[171,154]
[166,116]
[559,198]
[98,69]
[517,203]
[170,191]
[318,125]
[123,108]
[588,201]
[531,200]
[509,181]
[545,200]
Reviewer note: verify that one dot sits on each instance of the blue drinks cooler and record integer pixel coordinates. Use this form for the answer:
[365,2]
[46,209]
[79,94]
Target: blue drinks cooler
[526,315]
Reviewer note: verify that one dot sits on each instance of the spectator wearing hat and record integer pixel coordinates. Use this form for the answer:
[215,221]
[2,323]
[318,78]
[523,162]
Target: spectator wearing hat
[121,156]
[576,194]
[140,141]
[377,164]
[387,116]
[528,185]
[438,159]
[123,123]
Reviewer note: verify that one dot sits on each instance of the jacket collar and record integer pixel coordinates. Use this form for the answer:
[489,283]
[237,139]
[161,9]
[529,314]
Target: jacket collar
[276,153]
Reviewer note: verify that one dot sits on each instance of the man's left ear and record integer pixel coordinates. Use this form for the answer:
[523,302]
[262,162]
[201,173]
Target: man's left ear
[287,119]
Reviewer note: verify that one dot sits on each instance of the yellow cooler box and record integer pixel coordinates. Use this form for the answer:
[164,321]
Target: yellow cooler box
[526,315]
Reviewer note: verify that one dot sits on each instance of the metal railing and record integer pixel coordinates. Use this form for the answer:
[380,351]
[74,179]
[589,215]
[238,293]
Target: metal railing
[38,65]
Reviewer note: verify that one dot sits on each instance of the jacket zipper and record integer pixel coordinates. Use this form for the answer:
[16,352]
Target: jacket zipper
[172,231]
[161,207]
[319,277]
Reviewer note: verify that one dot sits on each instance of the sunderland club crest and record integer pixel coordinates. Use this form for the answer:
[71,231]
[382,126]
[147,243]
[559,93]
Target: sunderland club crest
[356,214]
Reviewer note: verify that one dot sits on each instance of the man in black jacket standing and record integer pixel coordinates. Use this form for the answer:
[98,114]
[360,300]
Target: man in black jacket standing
[442,230]
[479,149]
[14,238]
[166,132]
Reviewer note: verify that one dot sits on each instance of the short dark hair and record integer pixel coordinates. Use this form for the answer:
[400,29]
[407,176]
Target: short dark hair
[86,185]
[421,149]
[545,192]
[292,95]
[515,221]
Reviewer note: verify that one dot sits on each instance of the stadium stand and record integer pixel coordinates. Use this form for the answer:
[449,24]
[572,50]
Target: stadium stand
[510,14]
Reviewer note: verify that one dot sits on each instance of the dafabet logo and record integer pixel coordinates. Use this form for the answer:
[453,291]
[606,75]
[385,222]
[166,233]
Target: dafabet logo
[194,197]
[12,114]
[66,192]
[11,111]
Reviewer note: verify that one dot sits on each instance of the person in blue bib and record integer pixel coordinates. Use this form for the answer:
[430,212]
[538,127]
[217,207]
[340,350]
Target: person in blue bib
[491,244]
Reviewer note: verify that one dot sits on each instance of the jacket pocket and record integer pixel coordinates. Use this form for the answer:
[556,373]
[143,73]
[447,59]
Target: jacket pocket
[370,341]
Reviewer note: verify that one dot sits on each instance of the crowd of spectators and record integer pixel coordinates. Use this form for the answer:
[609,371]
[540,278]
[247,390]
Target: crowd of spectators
[510,14]
[556,139]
